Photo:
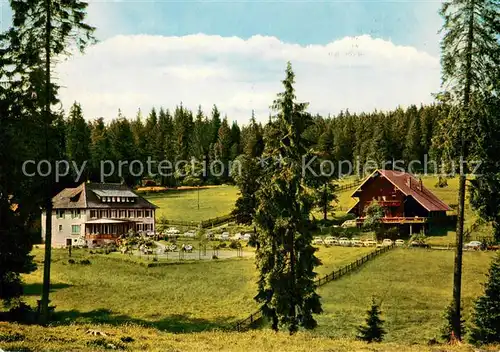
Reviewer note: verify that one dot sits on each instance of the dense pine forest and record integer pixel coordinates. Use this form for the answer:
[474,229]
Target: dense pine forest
[182,134]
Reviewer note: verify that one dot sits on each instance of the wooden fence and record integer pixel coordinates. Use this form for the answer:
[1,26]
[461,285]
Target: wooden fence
[203,224]
[348,186]
[337,274]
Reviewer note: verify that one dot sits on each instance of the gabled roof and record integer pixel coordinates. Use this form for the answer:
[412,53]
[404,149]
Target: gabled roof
[86,196]
[410,186]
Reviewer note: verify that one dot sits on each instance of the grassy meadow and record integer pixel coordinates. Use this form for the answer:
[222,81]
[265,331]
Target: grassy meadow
[413,285]
[184,297]
[183,204]
[189,307]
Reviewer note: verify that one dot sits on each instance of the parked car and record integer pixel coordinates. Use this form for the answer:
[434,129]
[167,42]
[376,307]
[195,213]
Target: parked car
[356,242]
[417,244]
[349,223]
[238,236]
[331,241]
[224,236]
[387,242]
[246,237]
[474,245]
[399,243]
[370,243]
[190,234]
[317,240]
[344,241]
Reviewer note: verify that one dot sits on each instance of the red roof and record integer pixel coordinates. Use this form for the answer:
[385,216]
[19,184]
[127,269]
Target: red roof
[410,186]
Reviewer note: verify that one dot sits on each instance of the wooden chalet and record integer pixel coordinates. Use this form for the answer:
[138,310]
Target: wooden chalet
[406,202]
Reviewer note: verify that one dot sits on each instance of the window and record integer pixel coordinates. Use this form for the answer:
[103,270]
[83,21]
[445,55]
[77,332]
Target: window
[59,213]
[114,199]
[148,213]
[123,213]
[139,213]
[93,214]
[75,213]
[114,213]
[60,228]
[75,229]
[131,214]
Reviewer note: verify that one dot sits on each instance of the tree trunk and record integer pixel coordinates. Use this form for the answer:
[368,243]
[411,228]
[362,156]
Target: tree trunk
[457,273]
[44,317]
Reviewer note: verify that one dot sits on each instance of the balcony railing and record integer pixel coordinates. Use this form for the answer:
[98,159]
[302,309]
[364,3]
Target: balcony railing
[398,220]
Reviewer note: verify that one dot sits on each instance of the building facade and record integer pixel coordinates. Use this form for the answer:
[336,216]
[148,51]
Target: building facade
[97,213]
[405,200]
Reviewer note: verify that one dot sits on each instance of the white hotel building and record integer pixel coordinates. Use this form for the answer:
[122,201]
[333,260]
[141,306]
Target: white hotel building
[96,213]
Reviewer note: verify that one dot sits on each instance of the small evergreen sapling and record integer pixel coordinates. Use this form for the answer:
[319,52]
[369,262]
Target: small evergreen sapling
[447,330]
[486,317]
[372,330]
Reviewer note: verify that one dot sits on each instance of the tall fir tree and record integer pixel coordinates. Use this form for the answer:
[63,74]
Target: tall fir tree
[78,139]
[99,148]
[42,32]
[486,317]
[470,61]
[285,258]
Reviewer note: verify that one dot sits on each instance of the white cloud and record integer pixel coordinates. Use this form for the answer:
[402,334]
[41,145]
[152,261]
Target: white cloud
[142,71]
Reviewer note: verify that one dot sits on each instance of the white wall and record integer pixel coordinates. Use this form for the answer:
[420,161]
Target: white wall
[59,236]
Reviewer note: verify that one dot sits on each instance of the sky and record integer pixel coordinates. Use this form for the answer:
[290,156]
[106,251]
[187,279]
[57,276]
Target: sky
[359,55]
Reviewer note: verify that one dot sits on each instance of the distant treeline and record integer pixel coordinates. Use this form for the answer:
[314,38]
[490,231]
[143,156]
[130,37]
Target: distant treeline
[181,134]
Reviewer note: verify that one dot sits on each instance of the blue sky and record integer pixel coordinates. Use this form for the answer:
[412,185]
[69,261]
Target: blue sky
[412,23]
[360,55]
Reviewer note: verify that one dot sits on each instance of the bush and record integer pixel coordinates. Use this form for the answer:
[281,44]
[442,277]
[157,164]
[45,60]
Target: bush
[223,245]
[235,245]
[446,331]
[486,316]
[22,313]
[372,330]
[441,183]
[214,257]
[85,262]
[71,261]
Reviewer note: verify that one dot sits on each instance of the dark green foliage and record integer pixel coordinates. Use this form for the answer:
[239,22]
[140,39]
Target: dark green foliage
[77,138]
[486,317]
[285,257]
[374,216]
[372,330]
[447,330]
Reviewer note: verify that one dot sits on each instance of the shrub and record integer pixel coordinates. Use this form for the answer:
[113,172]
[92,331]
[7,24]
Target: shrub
[85,262]
[214,257]
[486,316]
[71,261]
[372,330]
[446,331]
[223,245]
[22,313]
[441,183]
[234,244]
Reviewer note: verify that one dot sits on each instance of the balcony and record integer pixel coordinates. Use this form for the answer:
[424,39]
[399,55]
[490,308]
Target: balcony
[390,203]
[398,220]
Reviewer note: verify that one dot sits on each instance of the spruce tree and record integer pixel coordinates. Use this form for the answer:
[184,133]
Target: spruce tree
[78,138]
[470,62]
[285,258]
[372,330]
[99,148]
[42,32]
[449,316]
[486,317]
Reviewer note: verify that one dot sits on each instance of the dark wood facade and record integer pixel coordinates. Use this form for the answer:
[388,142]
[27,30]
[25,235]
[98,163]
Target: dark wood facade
[406,202]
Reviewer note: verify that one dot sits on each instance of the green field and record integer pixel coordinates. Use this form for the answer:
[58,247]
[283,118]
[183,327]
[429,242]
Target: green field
[183,297]
[183,204]
[414,287]
[175,307]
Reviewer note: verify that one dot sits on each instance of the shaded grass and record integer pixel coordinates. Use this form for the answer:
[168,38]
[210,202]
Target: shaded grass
[188,297]
[414,287]
[74,338]
[183,204]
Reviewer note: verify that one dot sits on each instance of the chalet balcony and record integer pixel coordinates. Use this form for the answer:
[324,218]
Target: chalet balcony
[389,203]
[397,220]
